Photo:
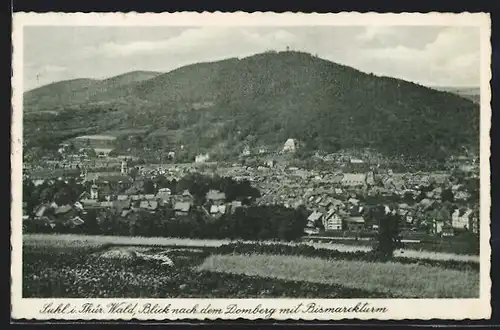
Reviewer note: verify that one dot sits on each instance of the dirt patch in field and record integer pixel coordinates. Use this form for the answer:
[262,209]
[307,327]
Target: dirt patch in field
[143,253]
[118,254]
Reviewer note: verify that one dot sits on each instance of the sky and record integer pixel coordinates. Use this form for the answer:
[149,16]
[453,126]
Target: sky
[428,55]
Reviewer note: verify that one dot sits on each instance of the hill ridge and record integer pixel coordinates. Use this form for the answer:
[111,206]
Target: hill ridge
[265,98]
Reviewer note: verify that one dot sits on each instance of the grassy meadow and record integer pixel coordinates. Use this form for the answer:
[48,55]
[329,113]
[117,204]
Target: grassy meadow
[391,278]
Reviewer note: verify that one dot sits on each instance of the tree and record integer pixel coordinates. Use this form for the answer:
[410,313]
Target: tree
[71,148]
[91,226]
[408,197]
[388,238]
[133,173]
[149,187]
[447,195]
[46,193]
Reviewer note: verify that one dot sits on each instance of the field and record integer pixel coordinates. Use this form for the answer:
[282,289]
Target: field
[94,267]
[391,279]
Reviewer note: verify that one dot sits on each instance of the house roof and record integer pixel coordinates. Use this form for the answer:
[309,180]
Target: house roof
[124,213]
[214,209]
[426,201]
[236,203]
[77,221]
[106,204]
[329,214]
[463,212]
[91,176]
[354,178]
[88,202]
[337,202]
[150,205]
[182,206]
[186,193]
[122,197]
[63,209]
[355,219]
[325,202]
[216,195]
[314,216]
[163,195]
[41,210]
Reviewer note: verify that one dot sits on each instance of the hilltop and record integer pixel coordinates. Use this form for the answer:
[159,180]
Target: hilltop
[263,100]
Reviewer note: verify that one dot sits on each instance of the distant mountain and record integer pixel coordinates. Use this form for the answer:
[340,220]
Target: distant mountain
[55,93]
[262,100]
[471,93]
[78,91]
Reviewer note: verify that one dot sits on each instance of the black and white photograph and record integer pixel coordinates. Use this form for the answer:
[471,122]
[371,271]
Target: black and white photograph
[318,164]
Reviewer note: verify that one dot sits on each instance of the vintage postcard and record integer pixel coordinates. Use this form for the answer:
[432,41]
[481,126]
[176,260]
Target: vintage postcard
[211,166]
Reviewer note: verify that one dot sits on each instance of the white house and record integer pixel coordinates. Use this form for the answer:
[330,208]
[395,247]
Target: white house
[201,158]
[353,179]
[290,146]
[461,219]
[124,167]
[94,192]
[332,221]
[246,151]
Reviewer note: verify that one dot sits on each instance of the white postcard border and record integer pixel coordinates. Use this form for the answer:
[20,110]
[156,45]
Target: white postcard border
[397,309]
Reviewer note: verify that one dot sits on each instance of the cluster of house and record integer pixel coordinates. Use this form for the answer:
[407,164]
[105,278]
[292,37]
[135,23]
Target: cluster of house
[336,199]
[103,199]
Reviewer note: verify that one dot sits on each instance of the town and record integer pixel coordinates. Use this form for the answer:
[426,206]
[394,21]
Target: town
[339,200]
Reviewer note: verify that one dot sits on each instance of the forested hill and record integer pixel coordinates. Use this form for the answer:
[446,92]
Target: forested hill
[82,91]
[266,98]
